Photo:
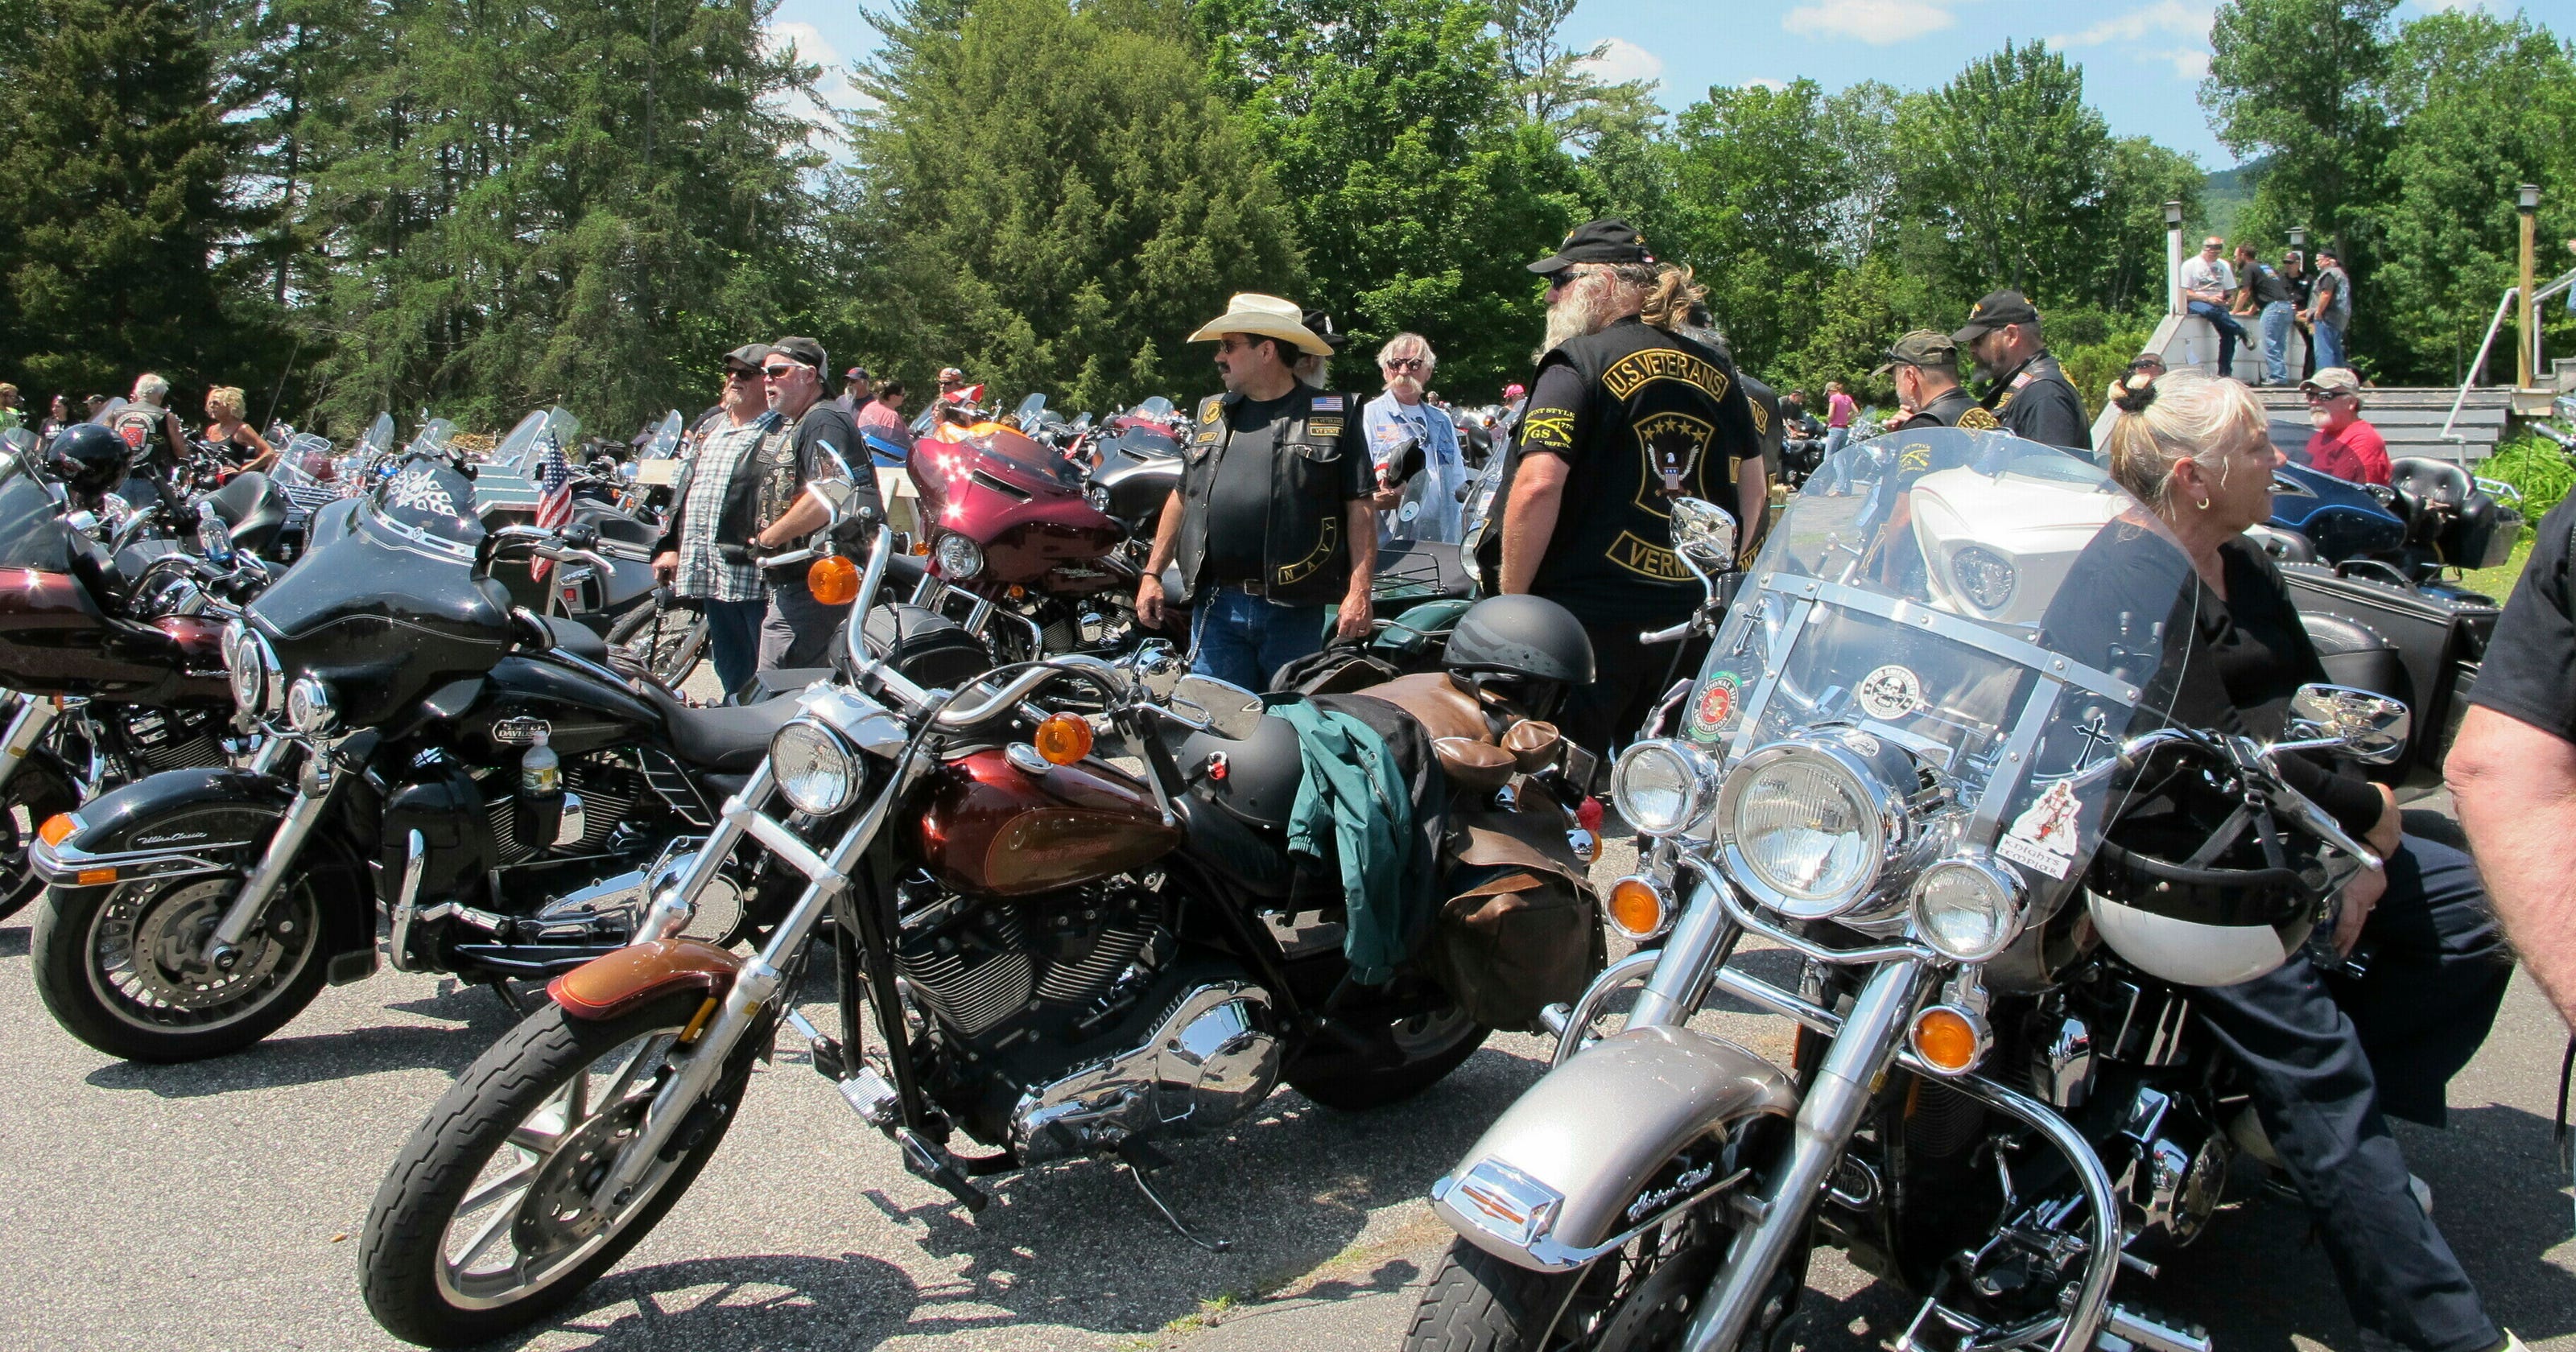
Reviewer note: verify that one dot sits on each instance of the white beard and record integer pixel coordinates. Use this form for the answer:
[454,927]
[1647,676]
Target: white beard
[2320,419]
[1585,308]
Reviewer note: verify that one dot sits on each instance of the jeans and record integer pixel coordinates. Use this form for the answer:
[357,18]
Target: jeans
[733,639]
[797,632]
[2328,337]
[2276,342]
[1244,640]
[2326,1058]
[1837,470]
[2230,333]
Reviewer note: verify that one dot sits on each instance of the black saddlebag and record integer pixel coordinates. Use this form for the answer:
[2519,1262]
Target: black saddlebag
[2429,641]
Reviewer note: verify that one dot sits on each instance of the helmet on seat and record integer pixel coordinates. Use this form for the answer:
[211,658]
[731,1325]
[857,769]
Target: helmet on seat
[88,458]
[2173,907]
[1527,649]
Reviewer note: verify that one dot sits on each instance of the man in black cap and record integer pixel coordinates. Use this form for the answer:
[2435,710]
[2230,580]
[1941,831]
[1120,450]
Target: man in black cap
[813,440]
[705,549]
[2027,391]
[1628,412]
[1925,367]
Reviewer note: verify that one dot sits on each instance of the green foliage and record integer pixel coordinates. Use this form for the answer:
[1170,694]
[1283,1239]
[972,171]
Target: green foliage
[1066,227]
[2009,160]
[2302,81]
[2535,466]
[109,235]
[1418,188]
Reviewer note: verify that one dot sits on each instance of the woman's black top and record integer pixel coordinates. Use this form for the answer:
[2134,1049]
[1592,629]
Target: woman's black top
[2249,653]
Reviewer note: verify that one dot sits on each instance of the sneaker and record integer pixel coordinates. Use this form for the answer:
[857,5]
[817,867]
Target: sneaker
[2424,1198]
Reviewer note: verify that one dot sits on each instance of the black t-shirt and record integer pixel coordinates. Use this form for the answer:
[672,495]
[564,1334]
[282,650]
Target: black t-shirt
[827,425]
[2269,288]
[2530,670]
[2036,403]
[1238,503]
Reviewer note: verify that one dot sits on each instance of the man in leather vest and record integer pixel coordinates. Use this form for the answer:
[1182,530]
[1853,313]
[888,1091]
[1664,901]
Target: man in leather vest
[1925,367]
[1628,412]
[151,431]
[810,439]
[1272,520]
[2029,394]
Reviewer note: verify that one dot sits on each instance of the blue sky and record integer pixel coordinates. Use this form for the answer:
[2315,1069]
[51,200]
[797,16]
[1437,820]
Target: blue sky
[2142,59]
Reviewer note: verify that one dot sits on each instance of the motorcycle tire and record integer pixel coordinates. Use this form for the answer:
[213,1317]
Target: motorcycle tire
[115,966]
[1432,1045]
[1476,1302]
[36,792]
[403,1260]
[667,654]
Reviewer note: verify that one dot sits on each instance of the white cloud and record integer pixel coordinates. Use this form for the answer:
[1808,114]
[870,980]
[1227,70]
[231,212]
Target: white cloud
[1880,23]
[2164,16]
[2189,63]
[1766,82]
[833,92]
[1621,60]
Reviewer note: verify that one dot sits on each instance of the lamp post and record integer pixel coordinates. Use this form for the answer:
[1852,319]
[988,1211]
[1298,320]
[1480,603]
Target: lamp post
[2526,201]
[2299,241]
[2173,257]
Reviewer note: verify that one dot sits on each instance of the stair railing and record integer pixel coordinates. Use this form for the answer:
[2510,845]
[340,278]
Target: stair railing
[2511,294]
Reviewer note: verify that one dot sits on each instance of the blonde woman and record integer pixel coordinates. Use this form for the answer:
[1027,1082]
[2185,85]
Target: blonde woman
[2328,1056]
[225,412]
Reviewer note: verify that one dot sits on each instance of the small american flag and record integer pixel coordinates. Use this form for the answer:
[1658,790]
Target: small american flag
[554,497]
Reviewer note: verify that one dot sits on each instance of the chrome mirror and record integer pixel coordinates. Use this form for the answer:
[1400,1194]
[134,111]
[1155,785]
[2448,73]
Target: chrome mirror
[2371,727]
[1704,535]
[1158,667]
[1226,709]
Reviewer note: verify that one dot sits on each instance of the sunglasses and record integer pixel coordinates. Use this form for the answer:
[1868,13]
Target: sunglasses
[2321,396]
[1404,364]
[741,373]
[1558,280]
[782,372]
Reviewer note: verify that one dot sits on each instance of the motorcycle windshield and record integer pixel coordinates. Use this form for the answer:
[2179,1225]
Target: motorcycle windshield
[1020,463]
[32,532]
[1996,608]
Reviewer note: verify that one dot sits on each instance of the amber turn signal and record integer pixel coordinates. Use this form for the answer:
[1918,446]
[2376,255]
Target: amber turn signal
[57,828]
[1638,909]
[1948,1040]
[92,877]
[1063,739]
[833,580]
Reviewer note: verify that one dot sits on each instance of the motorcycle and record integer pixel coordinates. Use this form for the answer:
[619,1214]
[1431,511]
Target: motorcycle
[1903,762]
[110,655]
[1057,957]
[467,765]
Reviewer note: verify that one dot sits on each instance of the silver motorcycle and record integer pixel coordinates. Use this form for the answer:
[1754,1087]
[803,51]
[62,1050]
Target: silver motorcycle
[1927,707]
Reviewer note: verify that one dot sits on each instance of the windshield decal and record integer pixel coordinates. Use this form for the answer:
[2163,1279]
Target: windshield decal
[1892,691]
[2042,838]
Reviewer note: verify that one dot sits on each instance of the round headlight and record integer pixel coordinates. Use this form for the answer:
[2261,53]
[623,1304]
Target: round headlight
[241,666]
[308,705]
[1659,786]
[1967,908]
[1805,828]
[1985,577]
[959,557]
[815,768]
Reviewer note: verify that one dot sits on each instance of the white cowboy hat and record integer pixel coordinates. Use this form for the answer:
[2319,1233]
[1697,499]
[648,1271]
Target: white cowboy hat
[1267,317]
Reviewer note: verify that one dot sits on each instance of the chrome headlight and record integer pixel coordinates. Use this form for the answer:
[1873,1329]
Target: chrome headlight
[308,705]
[1807,826]
[258,681]
[1969,908]
[1985,577]
[1660,786]
[815,769]
[959,557]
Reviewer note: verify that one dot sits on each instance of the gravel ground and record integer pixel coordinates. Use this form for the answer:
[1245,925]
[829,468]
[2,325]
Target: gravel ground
[212,1207]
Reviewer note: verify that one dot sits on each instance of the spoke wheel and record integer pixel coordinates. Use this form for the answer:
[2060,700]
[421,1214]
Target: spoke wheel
[1639,1299]
[663,644]
[490,1219]
[127,970]
[36,792]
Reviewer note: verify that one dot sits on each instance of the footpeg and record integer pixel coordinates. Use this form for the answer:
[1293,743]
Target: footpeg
[875,1101]
[2124,1328]
[929,1162]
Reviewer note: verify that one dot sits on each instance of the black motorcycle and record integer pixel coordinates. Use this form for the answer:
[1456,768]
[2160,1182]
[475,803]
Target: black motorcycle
[467,764]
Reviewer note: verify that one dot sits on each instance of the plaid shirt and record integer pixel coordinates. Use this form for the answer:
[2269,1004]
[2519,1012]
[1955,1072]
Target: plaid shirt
[704,573]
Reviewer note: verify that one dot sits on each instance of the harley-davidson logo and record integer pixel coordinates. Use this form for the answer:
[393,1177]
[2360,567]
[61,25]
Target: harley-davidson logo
[520,731]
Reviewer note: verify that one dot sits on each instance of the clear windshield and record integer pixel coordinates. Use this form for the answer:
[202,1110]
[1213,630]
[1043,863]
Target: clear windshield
[379,438]
[1996,607]
[1155,407]
[432,438]
[666,438]
[514,447]
[32,534]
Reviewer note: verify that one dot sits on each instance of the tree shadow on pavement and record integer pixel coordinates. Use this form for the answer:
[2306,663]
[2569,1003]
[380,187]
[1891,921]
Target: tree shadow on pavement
[284,1059]
[753,1303]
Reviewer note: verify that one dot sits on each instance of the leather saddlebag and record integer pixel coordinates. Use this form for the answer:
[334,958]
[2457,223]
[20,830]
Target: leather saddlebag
[1519,930]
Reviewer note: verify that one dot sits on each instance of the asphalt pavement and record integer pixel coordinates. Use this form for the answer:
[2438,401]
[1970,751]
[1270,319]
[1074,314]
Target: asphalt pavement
[213,1207]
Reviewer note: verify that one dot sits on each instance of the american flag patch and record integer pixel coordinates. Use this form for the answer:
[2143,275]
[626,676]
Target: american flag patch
[1328,403]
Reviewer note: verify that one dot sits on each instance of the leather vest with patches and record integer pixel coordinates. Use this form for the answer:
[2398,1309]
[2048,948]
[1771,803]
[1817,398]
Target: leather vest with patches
[1304,559]
[1953,407]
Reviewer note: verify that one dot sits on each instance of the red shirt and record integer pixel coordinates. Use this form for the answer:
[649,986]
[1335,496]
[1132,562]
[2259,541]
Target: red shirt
[1839,409]
[2357,453]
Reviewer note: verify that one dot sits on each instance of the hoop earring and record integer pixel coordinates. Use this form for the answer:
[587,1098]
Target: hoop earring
[2203,504]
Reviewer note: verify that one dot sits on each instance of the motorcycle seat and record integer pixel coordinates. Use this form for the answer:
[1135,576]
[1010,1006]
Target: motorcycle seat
[2432,481]
[253,509]
[576,638]
[728,739]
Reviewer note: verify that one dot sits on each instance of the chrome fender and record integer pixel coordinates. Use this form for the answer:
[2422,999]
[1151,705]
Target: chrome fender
[1552,1183]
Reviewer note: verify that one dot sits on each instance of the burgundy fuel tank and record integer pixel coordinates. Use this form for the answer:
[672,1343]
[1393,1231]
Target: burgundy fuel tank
[992,829]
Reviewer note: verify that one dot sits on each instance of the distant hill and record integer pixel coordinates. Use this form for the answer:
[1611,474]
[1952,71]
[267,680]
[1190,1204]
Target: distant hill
[2227,192]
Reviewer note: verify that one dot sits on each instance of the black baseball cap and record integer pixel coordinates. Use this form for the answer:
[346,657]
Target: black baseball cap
[804,350]
[1320,324]
[1606,241]
[1995,311]
[857,373]
[1923,348]
[749,356]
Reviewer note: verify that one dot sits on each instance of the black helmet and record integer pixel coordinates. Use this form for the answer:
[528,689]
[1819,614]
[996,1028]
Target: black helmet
[88,458]
[1526,636]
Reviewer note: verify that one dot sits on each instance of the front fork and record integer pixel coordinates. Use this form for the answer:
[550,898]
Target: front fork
[312,799]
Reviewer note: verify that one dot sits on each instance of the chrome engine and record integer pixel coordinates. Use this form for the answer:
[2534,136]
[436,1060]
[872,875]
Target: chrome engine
[1213,1056]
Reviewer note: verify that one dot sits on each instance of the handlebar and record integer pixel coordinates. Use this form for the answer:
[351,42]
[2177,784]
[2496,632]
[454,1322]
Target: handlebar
[1100,673]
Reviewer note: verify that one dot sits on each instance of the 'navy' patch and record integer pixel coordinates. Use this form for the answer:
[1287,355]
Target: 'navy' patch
[1328,403]
[1326,428]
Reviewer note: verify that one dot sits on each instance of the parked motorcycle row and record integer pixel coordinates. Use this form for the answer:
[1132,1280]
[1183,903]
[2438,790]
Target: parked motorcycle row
[1043,877]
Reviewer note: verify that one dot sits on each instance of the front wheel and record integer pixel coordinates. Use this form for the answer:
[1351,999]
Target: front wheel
[486,1222]
[36,792]
[660,643]
[125,968]
[1641,1297]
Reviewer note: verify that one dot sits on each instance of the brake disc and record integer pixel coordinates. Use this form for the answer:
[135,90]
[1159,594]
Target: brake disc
[168,934]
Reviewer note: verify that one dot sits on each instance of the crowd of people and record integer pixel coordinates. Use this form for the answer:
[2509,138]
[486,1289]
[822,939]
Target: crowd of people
[2247,290]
